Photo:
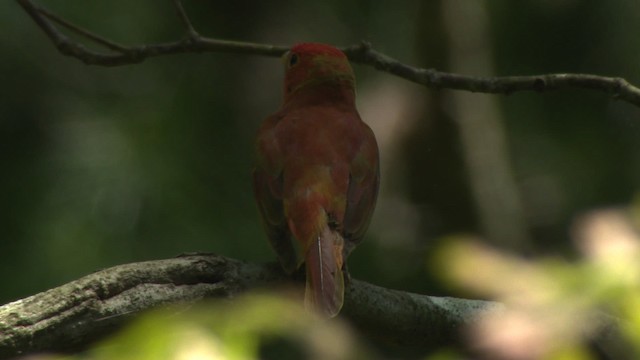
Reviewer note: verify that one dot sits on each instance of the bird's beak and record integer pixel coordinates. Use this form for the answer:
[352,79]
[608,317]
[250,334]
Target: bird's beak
[285,58]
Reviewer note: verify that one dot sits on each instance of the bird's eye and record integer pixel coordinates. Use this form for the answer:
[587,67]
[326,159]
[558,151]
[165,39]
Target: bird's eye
[293,59]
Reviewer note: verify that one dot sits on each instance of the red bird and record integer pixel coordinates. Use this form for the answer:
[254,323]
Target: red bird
[317,172]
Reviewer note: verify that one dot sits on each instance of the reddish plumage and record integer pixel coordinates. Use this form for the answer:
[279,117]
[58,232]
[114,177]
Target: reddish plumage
[317,173]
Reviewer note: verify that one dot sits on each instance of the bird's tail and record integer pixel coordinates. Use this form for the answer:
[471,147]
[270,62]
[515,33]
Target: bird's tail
[324,291]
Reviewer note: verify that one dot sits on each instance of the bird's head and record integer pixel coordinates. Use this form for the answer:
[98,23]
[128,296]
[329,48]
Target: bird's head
[312,64]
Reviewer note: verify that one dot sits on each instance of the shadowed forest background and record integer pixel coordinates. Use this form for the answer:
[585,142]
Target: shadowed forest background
[103,166]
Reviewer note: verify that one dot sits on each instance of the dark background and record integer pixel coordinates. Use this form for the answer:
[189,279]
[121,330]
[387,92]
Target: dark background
[103,166]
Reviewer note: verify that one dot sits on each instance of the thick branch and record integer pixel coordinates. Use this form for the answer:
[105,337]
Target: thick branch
[363,53]
[70,317]
[67,318]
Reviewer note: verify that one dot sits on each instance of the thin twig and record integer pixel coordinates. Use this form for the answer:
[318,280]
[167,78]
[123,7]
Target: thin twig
[136,54]
[191,31]
[89,35]
[363,53]
[616,87]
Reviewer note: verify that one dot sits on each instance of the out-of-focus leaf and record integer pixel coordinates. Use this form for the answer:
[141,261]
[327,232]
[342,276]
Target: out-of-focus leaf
[550,303]
[253,327]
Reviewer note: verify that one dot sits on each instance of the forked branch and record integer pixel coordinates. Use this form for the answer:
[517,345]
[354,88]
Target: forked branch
[363,53]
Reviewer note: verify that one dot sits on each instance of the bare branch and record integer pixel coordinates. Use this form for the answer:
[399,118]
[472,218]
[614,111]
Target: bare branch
[363,53]
[136,54]
[191,31]
[89,35]
[616,87]
[72,316]
[69,317]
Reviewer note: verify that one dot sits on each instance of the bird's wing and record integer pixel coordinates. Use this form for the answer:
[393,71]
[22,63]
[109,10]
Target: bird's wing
[267,188]
[364,181]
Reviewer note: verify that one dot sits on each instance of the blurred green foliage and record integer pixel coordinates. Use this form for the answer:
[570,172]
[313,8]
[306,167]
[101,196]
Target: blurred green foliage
[102,166]
[257,326]
[555,309]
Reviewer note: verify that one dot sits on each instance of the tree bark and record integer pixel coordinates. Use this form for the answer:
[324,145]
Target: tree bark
[72,316]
